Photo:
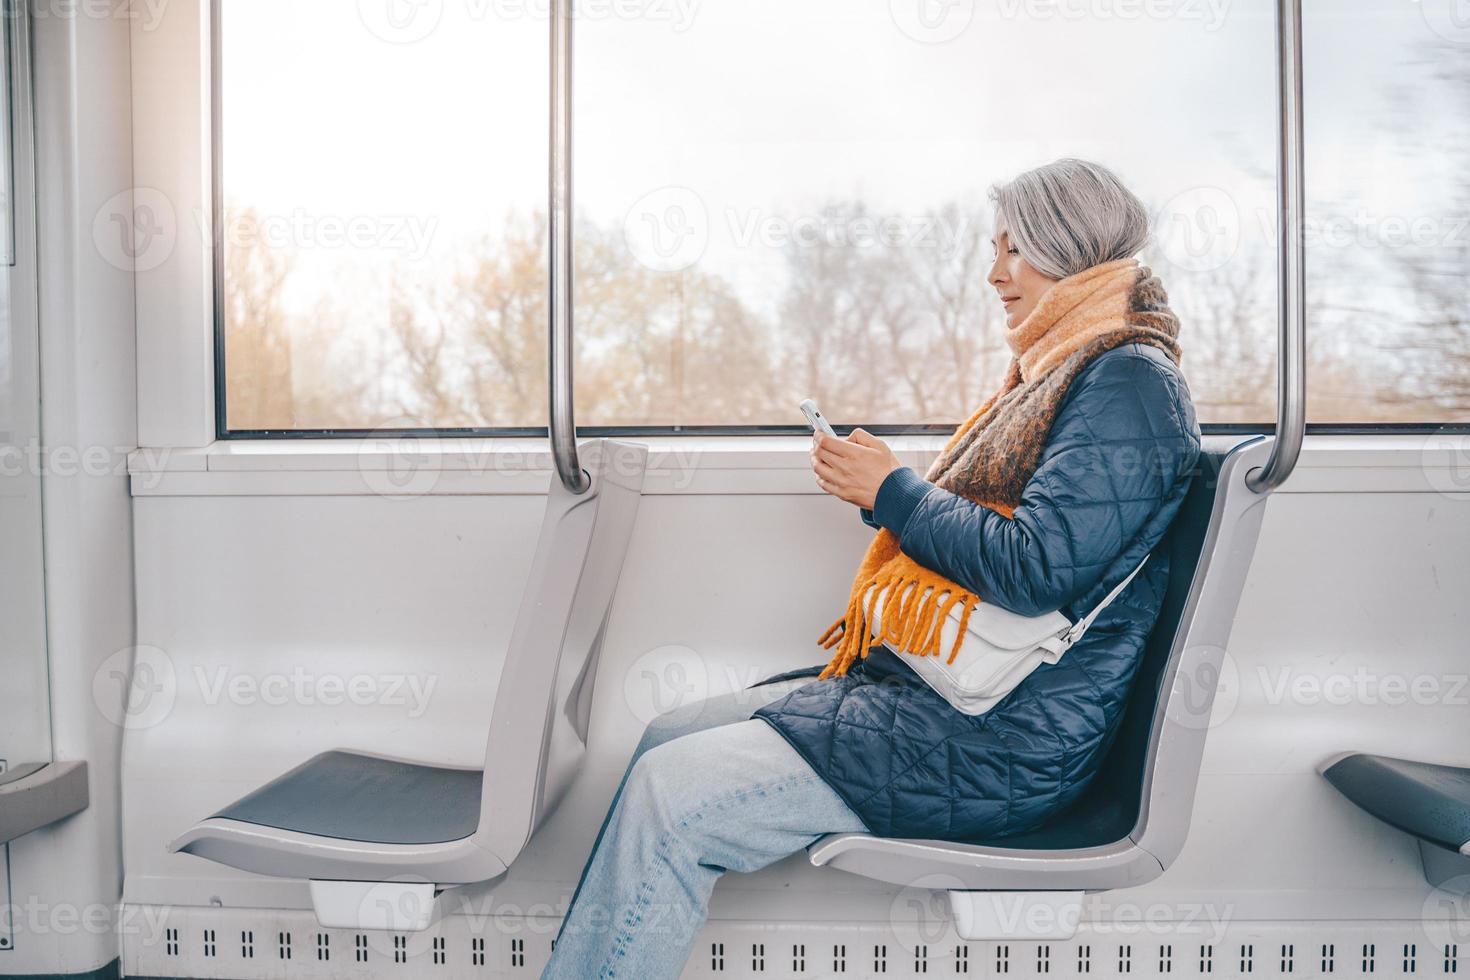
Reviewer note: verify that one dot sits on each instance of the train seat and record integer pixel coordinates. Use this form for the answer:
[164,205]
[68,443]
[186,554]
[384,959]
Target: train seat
[1429,801]
[379,838]
[1131,822]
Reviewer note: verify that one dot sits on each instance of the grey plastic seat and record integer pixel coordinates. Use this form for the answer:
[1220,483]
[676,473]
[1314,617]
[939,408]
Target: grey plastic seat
[1131,822]
[1429,801]
[345,816]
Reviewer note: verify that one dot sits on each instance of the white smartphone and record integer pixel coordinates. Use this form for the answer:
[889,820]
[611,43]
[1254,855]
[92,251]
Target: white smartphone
[814,417]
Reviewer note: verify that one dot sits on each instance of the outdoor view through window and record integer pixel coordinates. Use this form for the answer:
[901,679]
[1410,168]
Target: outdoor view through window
[787,198]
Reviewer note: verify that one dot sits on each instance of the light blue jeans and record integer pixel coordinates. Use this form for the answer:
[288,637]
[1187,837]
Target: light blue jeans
[708,790]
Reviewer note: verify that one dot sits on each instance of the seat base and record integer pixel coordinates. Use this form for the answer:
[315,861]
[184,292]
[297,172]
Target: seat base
[1444,868]
[397,906]
[288,854]
[1015,915]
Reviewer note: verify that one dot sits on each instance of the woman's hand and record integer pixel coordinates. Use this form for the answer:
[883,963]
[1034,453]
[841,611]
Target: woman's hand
[852,469]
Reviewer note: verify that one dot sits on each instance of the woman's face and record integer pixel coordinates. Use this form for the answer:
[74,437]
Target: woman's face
[1019,284]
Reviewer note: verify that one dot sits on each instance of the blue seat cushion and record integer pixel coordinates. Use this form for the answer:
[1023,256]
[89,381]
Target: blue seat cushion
[1430,801]
[354,797]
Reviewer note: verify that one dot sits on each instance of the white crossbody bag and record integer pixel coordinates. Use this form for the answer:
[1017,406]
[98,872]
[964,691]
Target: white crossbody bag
[999,650]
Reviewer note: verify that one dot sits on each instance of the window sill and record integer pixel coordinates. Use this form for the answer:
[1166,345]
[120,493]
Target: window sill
[685,464]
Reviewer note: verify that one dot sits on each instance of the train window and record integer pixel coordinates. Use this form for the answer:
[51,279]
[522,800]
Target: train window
[1388,211]
[384,186]
[779,200]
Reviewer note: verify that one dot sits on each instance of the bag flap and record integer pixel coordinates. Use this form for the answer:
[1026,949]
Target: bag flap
[992,624]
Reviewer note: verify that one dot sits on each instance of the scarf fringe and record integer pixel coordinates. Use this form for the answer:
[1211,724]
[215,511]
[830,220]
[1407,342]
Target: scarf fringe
[916,605]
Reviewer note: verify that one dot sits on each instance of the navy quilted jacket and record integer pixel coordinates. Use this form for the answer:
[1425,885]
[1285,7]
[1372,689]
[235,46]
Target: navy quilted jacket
[1111,477]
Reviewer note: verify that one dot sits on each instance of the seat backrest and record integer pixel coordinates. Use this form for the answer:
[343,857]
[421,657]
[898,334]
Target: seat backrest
[1116,802]
[538,727]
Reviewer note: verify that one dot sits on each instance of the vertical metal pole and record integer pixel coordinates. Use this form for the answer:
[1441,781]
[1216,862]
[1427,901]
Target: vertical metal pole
[563,422]
[1291,377]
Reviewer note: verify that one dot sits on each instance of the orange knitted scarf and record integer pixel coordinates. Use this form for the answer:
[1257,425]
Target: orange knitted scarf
[993,453]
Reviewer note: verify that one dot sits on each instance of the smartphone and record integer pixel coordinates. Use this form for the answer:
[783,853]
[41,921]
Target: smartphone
[814,417]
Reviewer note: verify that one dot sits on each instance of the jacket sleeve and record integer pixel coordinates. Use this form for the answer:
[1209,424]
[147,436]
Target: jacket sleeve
[867,516]
[1119,449]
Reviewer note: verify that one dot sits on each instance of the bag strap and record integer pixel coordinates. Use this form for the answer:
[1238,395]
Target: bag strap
[1078,628]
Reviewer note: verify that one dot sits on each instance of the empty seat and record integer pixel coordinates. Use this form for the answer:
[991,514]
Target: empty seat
[345,816]
[1427,800]
[1131,821]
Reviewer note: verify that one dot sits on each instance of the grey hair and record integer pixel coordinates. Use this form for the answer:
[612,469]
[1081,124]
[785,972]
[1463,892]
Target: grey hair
[1070,215]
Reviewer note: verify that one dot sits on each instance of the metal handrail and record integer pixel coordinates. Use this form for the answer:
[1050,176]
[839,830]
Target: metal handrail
[563,426]
[1291,372]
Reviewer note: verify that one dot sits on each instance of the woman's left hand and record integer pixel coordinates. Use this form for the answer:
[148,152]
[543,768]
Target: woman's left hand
[852,469]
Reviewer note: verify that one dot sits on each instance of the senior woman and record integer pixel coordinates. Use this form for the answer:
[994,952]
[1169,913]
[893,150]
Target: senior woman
[1044,499]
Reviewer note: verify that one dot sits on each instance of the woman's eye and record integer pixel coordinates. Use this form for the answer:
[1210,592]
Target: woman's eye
[1013,251]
